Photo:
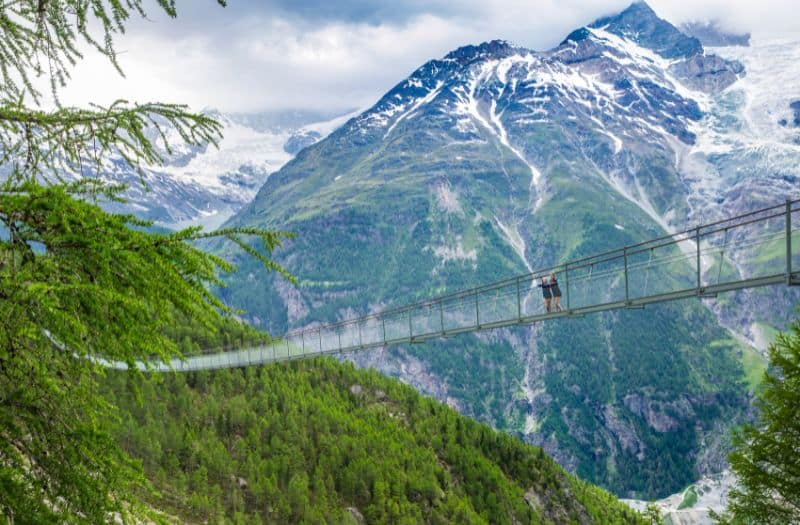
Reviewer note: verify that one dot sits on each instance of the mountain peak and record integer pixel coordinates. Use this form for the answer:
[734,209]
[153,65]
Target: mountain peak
[495,48]
[635,16]
[640,24]
[639,8]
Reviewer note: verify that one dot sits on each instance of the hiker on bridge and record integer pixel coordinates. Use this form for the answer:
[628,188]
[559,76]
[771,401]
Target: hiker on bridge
[545,284]
[555,291]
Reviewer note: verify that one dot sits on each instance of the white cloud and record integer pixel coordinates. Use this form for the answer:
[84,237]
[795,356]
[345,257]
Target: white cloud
[250,60]
[763,18]
[266,64]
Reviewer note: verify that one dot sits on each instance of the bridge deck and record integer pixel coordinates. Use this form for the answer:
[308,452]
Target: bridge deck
[759,248]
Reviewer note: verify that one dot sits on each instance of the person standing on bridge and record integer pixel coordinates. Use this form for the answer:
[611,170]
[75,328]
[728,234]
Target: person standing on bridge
[555,291]
[546,293]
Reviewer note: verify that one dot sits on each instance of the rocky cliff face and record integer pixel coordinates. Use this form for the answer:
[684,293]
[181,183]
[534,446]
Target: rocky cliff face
[495,160]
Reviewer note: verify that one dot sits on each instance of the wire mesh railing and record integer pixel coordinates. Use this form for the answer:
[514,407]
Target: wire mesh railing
[758,248]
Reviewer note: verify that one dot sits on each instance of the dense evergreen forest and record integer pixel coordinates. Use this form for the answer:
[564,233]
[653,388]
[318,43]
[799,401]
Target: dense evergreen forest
[321,442]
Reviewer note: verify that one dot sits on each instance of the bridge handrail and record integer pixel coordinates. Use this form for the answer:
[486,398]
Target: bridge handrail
[704,255]
[595,259]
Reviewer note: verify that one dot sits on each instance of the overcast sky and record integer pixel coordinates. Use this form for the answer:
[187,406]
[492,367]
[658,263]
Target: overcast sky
[283,54]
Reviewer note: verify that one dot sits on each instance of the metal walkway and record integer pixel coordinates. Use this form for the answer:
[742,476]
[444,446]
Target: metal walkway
[755,249]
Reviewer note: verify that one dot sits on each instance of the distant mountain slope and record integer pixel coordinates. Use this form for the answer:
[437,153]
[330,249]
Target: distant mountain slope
[207,185]
[320,442]
[494,160]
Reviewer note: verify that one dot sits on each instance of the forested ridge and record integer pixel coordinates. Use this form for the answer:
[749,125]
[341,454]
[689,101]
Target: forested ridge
[79,286]
[305,441]
[597,372]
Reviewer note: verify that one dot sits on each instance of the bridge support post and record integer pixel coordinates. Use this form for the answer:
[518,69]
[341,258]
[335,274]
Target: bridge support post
[519,302]
[697,242]
[627,290]
[788,242]
[441,316]
[410,326]
[477,311]
[383,325]
[566,284]
[360,343]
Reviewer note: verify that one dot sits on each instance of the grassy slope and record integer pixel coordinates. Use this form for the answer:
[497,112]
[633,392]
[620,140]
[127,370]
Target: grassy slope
[305,441]
[370,239]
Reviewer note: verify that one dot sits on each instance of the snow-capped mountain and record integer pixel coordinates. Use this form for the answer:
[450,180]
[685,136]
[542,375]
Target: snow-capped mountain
[496,159]
[630,80]
[611,88]
[206,185]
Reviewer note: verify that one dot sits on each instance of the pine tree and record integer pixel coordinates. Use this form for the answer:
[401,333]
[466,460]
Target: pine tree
[78,285]
[766,458]
[652,514]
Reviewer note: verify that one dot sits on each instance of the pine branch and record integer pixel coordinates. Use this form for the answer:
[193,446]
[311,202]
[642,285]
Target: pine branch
[75,277]
[43,37]
[68,139]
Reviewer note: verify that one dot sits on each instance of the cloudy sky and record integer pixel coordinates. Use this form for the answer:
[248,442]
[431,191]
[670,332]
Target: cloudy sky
[280,54]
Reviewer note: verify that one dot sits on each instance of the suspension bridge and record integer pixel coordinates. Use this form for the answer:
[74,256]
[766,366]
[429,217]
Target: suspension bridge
[754,249]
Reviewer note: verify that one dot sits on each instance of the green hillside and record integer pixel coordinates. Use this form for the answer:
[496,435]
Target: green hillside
[321,442]
[465,188]
[623,399]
